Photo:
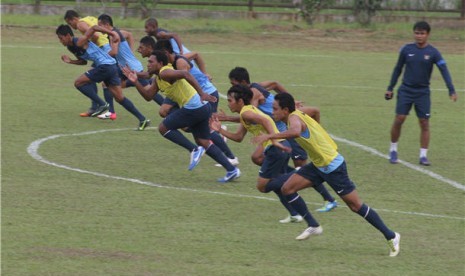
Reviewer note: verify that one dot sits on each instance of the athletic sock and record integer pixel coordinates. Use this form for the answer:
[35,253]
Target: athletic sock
[374,219]
[301,207]
[324,192]
[423,152]
[176,137]
[109,99]
[393,147]
[216,138]
[90,91]
[129,106]
[215,153]
[275,185]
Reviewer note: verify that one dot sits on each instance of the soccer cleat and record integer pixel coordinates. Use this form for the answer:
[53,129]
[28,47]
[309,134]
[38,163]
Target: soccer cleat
[88,113]
[107,115]
[393,157]
[196,155]
[310,231]
[424,161]
[230,176]
[143,124]
[234,161]
[394,245]
[101,109]
[327,207]
[292,219]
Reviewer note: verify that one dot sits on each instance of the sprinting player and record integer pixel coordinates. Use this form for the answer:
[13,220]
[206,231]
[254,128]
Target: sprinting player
[276,152]
[73,19]
[105,69]
[122,52]
[181,87]
[418,59]
[181,63]
[152,29]
[327,165]
[263,99]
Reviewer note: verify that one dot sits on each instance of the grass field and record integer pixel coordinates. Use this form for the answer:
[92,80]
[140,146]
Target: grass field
[107,200]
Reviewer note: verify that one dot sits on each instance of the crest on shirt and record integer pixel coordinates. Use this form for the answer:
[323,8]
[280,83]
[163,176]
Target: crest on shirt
[427,57]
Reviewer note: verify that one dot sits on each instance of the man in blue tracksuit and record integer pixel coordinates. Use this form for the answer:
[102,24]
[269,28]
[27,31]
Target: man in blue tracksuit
[418,59]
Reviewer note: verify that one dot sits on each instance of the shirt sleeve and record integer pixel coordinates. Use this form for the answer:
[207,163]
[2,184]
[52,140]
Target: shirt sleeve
[442,66]
[397,69]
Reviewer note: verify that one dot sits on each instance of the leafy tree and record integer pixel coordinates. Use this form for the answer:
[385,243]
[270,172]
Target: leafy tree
[309,9]
[364,10]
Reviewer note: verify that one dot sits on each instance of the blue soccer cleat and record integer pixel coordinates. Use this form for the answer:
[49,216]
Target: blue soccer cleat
[196,155]
[424,161]
[230,176]
[393,157]
[327,207]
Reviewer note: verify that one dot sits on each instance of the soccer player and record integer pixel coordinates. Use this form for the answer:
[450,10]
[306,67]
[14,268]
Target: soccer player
[181,63]
[122,52]
[152,29]
[105,69]
[181,87]
[327,165]
[263,99]
[276,152]
[418,59]
[73,19]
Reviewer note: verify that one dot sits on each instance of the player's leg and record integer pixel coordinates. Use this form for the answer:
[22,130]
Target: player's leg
[403,105]
[86,84]
[423,109]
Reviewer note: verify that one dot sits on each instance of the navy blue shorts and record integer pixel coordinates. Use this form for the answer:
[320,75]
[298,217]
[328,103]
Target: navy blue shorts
[275,162]
[338,179]
[195,119]
[214,105]
[298,153]
[419,98]
[108,73]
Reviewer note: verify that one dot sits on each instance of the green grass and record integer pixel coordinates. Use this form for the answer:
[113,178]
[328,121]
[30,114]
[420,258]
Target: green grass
[57,221]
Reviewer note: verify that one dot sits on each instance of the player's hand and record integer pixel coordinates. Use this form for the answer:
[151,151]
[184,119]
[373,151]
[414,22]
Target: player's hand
[388,95]
[131,75]
[453,97]
[260,139]
[65,58]
[208,97]
[281,146]
[115,37]
[215,124]
[299,104]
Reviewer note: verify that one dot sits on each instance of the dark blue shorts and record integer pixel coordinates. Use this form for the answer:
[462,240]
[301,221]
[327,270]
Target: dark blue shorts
[338,179]
[298,153]
[275,162]
[195,119]
[108,73]
[214,105]
[419,98]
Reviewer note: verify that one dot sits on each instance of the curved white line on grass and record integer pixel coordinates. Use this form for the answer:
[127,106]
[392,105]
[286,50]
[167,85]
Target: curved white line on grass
[407,164]
[33,149]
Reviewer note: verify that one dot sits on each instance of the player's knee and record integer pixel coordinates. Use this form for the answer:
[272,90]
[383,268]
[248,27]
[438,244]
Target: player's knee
[287,189]
[257,160]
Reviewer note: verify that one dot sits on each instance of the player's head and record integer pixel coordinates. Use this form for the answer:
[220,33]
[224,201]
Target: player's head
[156,61]
[65,34]
[72,18]
[105,20]
[238,96]
[151,26]
[422,26]
[283,105]
[146,46]
[164,45]
[239,75]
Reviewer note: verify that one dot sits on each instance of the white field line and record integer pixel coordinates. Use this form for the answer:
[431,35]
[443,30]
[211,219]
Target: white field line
[33,149]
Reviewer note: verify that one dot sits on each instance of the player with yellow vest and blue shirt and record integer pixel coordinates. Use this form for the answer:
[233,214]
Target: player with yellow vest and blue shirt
[181,87]
[105,70]
[276,152]
[73,19]
[327,165]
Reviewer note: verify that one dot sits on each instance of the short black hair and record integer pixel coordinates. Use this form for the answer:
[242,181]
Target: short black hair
[151,21]
[106,19]
[285,100]
[422,26]
[241,91]
[148,41]
[64,30]
[164,44]
[70,14]
[161,56]
[239,74]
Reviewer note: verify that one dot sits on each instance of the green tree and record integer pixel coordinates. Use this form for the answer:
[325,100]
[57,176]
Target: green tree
[309,9]
[364,10]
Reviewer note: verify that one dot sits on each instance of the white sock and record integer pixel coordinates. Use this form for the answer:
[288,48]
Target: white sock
[393,147]
[423,152]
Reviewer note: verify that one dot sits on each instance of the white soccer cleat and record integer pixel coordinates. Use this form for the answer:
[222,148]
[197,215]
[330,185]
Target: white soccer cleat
[234,162]
[292,219]
[310,231]
[394,245]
